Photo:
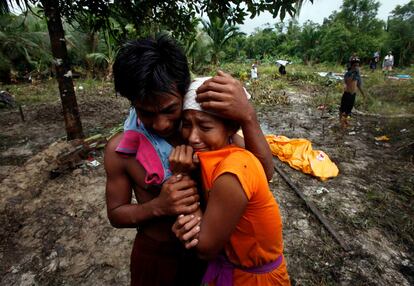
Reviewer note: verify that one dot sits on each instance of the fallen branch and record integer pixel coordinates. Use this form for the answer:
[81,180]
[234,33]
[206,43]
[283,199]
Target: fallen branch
[313,209]
[79,151]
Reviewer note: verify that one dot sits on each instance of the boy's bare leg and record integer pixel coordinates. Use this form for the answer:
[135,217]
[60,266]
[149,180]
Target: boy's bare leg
[343,119]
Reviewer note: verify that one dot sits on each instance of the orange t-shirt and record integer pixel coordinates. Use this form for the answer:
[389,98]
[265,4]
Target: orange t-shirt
[257,239]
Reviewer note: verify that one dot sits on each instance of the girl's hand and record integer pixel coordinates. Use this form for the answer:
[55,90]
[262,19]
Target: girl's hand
[182,160]
[187,228]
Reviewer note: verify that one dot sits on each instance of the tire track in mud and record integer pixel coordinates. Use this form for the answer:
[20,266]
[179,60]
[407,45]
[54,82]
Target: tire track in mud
[313,256]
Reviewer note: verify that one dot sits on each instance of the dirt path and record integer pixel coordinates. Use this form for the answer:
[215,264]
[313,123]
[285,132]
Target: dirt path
[55,232]
[365,203]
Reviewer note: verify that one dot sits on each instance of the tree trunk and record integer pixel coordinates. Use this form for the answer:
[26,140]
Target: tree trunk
[63,73]
[92,43]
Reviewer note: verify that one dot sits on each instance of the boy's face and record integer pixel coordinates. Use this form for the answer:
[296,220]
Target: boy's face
[161,116]
[203,131]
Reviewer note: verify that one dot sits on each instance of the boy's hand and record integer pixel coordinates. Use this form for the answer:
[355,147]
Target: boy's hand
[182,160]
[178,195]
[226,96]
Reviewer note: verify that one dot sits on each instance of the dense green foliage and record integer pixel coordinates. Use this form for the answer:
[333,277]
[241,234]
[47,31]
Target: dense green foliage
[106,24]
[401,33]
[93,35]
[352,29]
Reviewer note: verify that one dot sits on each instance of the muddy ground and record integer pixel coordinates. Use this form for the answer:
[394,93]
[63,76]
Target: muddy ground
[55,231]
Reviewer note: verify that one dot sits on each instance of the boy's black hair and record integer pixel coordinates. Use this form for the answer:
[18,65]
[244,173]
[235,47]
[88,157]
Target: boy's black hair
[146,68]
[355,60]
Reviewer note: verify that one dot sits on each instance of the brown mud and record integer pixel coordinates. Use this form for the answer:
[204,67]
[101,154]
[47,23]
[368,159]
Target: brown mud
[55,231]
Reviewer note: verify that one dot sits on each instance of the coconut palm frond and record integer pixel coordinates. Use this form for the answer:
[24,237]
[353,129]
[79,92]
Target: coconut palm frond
[220,32]
[298,7]
[98,58]
[4,8]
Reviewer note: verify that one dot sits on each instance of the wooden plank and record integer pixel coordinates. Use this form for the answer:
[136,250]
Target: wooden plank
[313,209]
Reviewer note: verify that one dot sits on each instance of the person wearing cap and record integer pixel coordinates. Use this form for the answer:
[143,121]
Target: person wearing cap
[353,83]
[240,230]
[388,63]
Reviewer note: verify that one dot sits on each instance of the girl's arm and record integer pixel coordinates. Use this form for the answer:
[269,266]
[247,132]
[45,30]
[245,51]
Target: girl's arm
[187,226]
[226,204]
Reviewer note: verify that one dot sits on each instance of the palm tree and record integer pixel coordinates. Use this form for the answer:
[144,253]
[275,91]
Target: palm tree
[309,38]
[24,43]
[219,32]
[4,7]
[105,59]
[298,7]
[195,45]
[22,46]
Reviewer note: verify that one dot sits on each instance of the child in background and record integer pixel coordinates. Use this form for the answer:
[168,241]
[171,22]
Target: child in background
[253,72]
[240,231]
[353,82]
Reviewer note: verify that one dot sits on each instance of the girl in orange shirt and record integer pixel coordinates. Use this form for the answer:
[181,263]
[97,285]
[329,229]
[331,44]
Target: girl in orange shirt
[240,231]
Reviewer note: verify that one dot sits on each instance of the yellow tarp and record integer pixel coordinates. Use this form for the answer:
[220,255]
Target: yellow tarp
[382,138]
[298,153]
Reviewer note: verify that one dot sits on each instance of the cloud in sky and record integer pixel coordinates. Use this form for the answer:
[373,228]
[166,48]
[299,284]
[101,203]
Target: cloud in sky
[316,12]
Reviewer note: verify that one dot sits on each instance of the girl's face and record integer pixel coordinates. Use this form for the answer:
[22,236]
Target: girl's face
[204,132]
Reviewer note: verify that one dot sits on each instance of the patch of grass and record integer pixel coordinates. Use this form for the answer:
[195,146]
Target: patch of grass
[92,87]
[268,91]
[241,71]
[391,96]
[28,94]
[383,96]
[48,91]
[393,212]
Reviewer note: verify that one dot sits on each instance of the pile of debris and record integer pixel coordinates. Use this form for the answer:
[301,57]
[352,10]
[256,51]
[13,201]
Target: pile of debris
[7,99]
[79,153]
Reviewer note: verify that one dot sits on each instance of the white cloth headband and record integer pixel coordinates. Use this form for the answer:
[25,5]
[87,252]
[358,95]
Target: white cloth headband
[190,97]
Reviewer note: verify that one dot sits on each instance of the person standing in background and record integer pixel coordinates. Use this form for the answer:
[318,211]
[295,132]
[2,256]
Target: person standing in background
[388,63]
[253,72]
[353,82]
[374,61]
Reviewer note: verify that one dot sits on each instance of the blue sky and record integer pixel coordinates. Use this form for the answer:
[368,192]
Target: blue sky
[316,12]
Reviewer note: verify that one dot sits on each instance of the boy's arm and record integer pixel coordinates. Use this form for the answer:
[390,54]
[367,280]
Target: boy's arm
[359,84]
[225,95]
[177,196]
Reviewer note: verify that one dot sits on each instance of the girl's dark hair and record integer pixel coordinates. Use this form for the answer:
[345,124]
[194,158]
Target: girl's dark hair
[231,125]
[147,68]
[234,126]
